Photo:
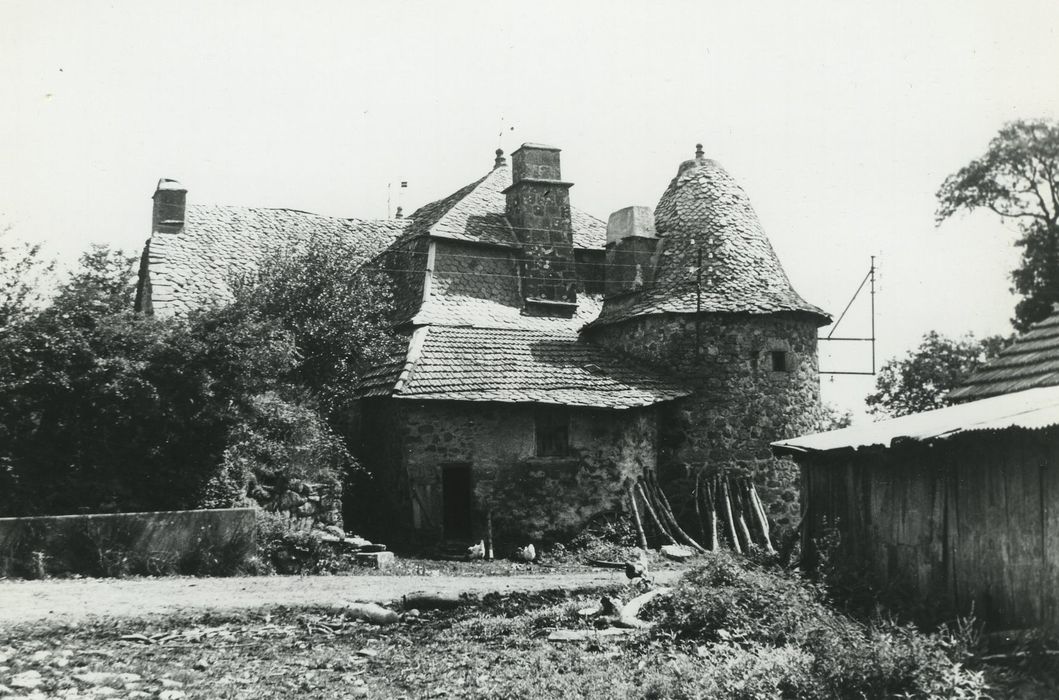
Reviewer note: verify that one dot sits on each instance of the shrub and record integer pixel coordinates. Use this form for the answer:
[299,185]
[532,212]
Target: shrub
[285,549]
[281,440]
[732,600]
[771,634]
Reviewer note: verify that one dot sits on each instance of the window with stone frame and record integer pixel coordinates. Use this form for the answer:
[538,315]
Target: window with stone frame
[552,428]
[781,361]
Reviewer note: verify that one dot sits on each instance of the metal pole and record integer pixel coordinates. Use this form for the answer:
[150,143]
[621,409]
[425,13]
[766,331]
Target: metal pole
[698,307]
[871,274]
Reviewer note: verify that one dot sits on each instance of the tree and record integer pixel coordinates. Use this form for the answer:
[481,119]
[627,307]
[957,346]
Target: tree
[21,273]
[103,283]
[920,380]
[1018,180]
[105,409]
[126,412]
[834,418]
[339,315]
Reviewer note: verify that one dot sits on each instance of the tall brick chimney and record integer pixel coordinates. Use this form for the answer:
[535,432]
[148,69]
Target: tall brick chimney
[538,207]
[631,245]
[170,198]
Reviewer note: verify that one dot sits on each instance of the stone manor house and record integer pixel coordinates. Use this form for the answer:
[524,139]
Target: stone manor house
[551,358]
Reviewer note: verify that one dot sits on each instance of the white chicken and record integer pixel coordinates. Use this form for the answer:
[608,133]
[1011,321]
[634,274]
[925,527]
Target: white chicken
[527,553]
[476,551]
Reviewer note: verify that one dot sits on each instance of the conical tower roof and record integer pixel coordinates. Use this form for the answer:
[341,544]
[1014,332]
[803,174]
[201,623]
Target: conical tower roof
[705,219]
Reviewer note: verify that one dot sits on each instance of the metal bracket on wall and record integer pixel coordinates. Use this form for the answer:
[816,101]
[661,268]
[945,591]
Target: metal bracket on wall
[869,279]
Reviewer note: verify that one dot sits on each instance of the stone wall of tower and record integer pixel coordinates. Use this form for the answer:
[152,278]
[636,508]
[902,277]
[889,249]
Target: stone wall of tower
[741,403]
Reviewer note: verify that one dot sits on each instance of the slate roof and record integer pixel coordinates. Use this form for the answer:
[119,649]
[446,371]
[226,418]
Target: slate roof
[1031,361]
[476,213]
[459,310]
[1033,409]
[194,266]
[516,365]
[704,209]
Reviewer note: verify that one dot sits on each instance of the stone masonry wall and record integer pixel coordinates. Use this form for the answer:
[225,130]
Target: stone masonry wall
[306,504]
[407,264]
[740,405]
[476,272]
[531,498]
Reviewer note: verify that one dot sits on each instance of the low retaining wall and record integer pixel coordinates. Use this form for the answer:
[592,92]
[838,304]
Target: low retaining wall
[215,542]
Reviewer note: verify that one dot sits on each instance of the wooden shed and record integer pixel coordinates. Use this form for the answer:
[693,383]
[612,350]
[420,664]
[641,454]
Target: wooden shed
[958,507]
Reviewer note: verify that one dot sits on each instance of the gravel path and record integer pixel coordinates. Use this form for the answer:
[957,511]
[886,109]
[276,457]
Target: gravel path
[77,599]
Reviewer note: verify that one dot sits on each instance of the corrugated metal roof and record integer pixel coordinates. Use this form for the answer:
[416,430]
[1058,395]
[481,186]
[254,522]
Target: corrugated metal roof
[1032,409]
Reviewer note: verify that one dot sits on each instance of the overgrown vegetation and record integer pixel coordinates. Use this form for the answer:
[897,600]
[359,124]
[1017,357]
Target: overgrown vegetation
[773,633]
[920,380]
[105,410]
[338,315]
[1017,179]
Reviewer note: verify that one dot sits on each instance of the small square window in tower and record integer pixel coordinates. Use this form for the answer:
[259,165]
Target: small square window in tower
[552,426]
[779,361]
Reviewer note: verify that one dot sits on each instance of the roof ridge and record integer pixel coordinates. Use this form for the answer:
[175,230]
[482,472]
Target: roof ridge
[471,189]
[245,207]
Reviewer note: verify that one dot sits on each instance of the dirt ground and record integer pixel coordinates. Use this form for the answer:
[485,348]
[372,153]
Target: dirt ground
[78,599]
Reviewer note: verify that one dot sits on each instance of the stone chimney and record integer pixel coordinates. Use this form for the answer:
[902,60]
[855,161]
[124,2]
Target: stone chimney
[170,199]
[631,245]
[538,207]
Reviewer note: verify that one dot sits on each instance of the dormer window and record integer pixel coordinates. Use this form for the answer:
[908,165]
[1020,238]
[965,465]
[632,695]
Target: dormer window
[552,426]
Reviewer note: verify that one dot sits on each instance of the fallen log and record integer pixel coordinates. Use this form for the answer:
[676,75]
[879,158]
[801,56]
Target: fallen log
[628,616]
[370,612]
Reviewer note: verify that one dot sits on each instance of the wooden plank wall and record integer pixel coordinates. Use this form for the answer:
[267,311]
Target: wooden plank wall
[968,523]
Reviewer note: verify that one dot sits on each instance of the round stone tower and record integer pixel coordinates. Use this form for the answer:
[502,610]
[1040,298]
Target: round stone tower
[711,304]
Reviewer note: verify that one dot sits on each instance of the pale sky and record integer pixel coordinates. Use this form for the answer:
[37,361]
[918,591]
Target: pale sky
[839,119]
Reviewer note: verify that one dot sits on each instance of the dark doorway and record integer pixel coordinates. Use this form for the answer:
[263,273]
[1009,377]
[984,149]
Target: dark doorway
[456,496]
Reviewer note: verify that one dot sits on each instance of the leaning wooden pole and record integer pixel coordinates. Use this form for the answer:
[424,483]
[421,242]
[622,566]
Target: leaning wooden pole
[640,534]
[489,535]
[654,515]
[729,518]
[711,511]
[744,529]
[651,489]
[668,509]
[698,506]
[763,521]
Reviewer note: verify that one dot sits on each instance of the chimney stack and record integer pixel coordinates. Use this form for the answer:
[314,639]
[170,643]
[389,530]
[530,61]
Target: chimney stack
[538,207]
[631,245]
[170,199]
